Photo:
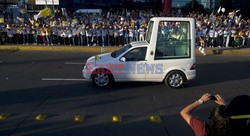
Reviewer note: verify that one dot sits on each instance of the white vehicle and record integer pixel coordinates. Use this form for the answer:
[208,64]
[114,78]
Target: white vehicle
[167,55]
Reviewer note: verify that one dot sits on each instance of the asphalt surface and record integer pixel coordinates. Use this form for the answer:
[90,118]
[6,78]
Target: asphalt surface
[24,95]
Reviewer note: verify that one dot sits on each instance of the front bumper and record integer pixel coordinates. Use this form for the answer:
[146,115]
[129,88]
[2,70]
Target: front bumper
[86,75]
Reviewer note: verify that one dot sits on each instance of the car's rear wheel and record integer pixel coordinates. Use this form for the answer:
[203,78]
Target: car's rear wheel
[175,79]
[101,78]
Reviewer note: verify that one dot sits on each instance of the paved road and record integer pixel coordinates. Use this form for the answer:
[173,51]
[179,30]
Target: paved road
[23,94]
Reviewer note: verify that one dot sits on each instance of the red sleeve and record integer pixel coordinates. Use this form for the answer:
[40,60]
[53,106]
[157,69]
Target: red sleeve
[198,126]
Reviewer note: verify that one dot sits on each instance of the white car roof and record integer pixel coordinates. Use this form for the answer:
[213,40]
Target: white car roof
[171,19]
[139,43]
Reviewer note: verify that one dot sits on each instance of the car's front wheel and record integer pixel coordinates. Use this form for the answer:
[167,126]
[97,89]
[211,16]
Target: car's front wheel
[101,78]
[175,79]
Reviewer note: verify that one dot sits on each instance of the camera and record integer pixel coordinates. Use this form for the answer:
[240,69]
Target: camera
[213,98]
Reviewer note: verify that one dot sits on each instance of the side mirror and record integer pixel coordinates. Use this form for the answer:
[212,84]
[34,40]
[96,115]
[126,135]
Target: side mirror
[123,59]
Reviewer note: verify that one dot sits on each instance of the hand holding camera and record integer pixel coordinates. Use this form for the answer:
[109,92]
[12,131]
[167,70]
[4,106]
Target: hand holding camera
[217,98]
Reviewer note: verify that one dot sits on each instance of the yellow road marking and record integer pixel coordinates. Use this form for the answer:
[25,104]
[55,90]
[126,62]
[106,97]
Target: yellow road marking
[4,116]
[116,119]
[155,119]
[79,118]
[40,117]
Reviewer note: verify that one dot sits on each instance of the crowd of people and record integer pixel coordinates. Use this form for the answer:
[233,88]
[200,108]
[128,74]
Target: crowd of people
[116,28]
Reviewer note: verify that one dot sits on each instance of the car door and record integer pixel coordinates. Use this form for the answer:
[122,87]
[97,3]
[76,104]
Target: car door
[133,65]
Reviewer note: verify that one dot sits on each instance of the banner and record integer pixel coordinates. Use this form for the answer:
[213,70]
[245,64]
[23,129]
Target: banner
[49,2]
[167,6]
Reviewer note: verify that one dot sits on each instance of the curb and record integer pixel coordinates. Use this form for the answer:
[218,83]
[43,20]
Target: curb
[57,48]
[214,51]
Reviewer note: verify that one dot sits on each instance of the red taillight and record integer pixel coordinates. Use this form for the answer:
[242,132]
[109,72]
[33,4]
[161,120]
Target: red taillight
[193,67]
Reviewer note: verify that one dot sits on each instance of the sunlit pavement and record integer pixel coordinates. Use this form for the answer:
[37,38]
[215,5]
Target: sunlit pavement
[44,93]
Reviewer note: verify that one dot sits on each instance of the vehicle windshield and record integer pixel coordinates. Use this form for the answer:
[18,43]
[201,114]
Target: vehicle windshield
[149,31]
[120,51]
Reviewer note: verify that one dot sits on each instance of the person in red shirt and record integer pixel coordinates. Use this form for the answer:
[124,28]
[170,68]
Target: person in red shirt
[219,124]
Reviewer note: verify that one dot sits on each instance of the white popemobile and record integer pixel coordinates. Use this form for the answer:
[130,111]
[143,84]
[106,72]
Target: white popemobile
[167,55]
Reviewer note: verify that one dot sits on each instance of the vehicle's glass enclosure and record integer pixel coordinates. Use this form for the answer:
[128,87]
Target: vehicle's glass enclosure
[149,31]
[173,40]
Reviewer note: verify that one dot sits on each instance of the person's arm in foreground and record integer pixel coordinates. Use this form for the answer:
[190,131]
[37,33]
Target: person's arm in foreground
[186,112]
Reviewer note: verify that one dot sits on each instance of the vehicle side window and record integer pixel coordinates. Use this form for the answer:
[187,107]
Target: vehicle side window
[173,40]
[137,54]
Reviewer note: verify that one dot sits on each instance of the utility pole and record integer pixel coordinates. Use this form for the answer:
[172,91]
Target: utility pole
[53,8]
[46,2]
[53,5]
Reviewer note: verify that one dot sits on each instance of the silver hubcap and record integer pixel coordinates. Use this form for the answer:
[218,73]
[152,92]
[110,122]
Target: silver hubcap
[175,80]
[101,79]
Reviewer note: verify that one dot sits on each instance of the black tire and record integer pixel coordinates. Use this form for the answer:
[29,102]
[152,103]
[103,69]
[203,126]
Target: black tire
[175,79]
[102,78]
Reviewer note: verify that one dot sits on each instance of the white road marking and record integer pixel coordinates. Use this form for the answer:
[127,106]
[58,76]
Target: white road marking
[63,79]
[74,63]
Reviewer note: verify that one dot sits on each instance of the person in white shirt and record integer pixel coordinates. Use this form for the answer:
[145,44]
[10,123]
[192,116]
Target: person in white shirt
[126,33]
[83,35]
[111,36]
[216,38]
[89,35]
[226,37]
[136,33]
[98,35]
[34,33]
[121,35]
[220,38]
[104,33]
[211,34]
[116,36]
[142,32]
[69,34]
[131,34]
[74,35]
[63,36]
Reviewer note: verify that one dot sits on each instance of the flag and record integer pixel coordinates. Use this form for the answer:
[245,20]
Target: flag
[20,19]
[218,11]
[32,21]
[66,23]
[1,20]
[23,10]
[43,13]
[237,11]
[231,14]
